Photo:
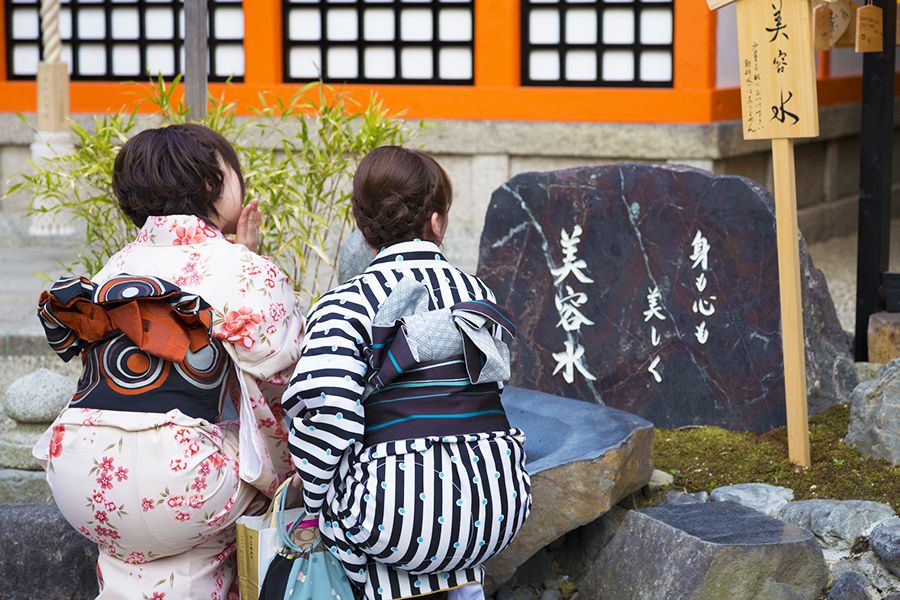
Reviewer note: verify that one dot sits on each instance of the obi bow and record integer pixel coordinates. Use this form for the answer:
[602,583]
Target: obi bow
[409,332]
[155,315]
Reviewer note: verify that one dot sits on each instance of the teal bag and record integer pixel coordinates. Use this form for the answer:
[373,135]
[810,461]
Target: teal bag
[296,574]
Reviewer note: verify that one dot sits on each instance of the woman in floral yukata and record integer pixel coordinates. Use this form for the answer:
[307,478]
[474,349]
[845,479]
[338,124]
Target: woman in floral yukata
[401,443]
[177,323]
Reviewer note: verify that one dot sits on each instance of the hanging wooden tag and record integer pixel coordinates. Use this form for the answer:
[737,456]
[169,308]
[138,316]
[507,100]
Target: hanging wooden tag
[822,31]
[848,39]
[869,29]
[831,20]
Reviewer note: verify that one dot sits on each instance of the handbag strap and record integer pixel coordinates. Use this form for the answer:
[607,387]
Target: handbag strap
[284,531]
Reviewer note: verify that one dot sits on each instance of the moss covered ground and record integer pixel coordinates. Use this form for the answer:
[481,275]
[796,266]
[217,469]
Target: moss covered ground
[704,458]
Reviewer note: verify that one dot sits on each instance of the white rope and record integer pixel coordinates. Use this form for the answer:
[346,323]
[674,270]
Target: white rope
[50,25]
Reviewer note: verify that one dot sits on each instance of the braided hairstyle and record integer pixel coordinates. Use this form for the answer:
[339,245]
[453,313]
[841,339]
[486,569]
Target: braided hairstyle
[395,192]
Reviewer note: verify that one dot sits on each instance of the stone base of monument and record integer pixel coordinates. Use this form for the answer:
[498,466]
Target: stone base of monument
[884,337]
[42,556]
[583,459]
[707,551]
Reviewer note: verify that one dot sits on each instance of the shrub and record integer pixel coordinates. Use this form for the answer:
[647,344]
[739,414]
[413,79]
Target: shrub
[298,158]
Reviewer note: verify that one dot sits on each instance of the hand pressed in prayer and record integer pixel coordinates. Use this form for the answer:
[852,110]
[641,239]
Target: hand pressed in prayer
[248,226]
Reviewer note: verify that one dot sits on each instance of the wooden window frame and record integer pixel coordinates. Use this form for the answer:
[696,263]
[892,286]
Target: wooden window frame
[496,93]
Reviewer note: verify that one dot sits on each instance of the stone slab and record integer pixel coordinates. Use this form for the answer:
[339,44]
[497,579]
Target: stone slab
[15,446]
[884,337]
[23,487]
[42,556]
[707,552]
[583,459]
[710,353]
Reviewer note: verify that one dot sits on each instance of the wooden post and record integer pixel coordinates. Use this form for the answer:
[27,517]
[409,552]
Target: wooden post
[875,178]
[778,102]
[53,75]
[195,51]
[791,301]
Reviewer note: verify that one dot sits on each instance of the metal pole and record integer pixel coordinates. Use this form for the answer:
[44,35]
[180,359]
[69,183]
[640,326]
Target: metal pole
[876,149]
[195,50]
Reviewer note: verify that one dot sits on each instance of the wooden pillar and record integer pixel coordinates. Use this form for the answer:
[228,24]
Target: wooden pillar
[195,49]
[875,178]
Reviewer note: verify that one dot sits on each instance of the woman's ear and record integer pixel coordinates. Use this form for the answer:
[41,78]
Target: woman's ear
[438,226]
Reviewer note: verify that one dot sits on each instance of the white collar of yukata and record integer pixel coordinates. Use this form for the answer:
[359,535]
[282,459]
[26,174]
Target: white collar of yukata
[177,230]
[415,251]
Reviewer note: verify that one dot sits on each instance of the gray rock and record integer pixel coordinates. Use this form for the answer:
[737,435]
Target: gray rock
[505,593]
[660,479]
[875,415]
[42,556]
[23,487]
[885,542]
[850,586]
[869,566]
[583,459]
[355,256]
[767,499]
[553,594]
[38,397]
[837,523]
[707,551]
[16,444]
[525,593]
[677,497]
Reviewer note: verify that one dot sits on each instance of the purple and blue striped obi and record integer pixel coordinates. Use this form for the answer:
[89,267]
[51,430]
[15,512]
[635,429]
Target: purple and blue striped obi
[435,372]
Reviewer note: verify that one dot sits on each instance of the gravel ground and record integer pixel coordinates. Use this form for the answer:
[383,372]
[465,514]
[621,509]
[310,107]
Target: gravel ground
[837,259]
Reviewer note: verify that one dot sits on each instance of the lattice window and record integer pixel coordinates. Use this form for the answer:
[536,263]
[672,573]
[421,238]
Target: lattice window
[379,41]
[124,39]
[624,43]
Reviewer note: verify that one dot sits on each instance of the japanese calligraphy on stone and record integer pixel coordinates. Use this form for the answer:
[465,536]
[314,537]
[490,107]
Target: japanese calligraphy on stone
[569,302]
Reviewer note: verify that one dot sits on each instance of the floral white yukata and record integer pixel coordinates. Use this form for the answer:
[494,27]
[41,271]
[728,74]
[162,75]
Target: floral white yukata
[160,492]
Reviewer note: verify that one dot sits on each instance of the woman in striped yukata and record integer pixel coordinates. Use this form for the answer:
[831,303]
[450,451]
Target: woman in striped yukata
[398,435]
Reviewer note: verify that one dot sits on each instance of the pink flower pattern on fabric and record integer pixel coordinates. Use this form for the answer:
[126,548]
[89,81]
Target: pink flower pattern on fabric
[240,326]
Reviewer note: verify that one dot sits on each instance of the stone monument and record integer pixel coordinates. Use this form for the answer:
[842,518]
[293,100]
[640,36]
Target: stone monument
[654,289]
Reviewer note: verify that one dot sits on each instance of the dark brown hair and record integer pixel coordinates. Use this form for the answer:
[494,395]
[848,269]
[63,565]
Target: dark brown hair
[174,170]
[395,192]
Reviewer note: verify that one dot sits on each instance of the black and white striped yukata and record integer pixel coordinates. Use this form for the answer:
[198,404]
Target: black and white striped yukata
[406,516]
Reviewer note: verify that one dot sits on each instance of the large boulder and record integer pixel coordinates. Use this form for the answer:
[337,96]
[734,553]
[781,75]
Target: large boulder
[43,557]
[654,289]
[875,415]
[583,459]
[707,552]
[836,523]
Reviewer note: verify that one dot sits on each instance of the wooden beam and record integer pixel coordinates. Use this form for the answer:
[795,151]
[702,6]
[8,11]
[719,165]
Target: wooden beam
[875,161]
[791,301]
[195,50]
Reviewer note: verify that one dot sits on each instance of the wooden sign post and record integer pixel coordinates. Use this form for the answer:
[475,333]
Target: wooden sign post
[779,102]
